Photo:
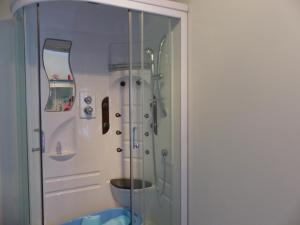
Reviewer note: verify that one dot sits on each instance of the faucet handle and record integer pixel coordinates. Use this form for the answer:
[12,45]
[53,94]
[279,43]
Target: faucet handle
[88,110]
[88,100]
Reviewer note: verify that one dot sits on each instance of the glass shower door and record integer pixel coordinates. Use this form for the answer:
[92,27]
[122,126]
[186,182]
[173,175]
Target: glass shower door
[155,117]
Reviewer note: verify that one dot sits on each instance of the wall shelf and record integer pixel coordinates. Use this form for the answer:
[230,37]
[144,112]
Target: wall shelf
[65,155]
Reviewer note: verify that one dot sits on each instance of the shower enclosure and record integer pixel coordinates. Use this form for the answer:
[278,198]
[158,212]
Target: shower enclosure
[106,91]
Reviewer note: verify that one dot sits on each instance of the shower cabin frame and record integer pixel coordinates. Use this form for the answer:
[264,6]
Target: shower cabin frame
[160,7]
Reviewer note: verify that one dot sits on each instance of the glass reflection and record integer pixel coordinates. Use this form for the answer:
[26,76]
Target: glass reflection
[56,58]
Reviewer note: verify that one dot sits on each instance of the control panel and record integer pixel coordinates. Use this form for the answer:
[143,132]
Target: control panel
[87,105]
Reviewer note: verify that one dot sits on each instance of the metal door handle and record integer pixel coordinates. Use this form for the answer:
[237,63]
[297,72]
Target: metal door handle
[35,149]
[135,144]
[43,141]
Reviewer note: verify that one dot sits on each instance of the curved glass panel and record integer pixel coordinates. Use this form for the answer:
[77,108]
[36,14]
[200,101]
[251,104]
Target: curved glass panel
[56,58]
[14,193]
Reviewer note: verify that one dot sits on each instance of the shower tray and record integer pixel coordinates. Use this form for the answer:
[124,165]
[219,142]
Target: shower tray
[107,215]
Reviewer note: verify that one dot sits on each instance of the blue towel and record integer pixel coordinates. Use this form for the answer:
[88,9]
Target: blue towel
[91,220]
[120,220]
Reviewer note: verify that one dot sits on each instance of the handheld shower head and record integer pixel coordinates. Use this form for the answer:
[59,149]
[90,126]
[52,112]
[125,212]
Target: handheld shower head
[150,52]
[160,51]
[162,43]
[156,74]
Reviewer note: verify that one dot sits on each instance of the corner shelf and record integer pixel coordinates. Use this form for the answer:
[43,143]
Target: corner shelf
[65,155]
[62,84]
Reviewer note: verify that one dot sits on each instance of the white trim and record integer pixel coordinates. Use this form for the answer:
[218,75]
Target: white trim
[165,4]
[184,119]
[154,6]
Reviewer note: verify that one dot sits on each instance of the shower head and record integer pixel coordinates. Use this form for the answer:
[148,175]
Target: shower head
[157,76]
[162,44]
[150,52]
[160,75]
[161,47]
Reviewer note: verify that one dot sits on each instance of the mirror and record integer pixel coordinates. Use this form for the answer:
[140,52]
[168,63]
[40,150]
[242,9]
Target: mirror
[56,59]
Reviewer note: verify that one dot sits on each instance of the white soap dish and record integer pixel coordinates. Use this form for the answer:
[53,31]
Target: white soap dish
[62,156]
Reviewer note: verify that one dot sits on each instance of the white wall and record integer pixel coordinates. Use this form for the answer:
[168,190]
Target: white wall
[4,58]
[244,112]
[5,70]
[4,9]
[8,150]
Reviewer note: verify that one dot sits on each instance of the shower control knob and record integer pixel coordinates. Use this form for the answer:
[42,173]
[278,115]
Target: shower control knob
[118,115]
[118,132]
[88,100]
[88,110]
[119,150]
